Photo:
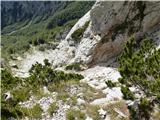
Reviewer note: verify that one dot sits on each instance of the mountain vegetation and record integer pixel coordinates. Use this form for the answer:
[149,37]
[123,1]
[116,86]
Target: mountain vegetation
[22,89]
[77,35]
[35,25]
[78,80]
[139,66]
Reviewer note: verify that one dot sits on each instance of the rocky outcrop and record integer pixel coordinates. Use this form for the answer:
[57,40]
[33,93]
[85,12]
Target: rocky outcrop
[115,22]
[111,25]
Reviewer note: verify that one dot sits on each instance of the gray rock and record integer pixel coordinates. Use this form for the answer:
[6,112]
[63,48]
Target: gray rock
[115,22]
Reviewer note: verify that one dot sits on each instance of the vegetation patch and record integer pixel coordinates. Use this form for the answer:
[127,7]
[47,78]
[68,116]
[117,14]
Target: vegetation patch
[92,111]
[21,94]
[77,35]
[73,100]
[110,84]
[34,113]
[90,94]
[52,108]
[127,94]
[121,106]
[74,66]
[73,114]
[63,96]
[72,11]
[139,66]
[22,89]
[45,74]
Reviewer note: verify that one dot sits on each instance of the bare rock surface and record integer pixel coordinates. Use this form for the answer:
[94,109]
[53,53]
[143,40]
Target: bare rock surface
[60,113]
[115,22]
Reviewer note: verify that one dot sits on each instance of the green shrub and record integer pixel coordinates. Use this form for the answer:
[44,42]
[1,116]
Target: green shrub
[92,111]
[21,94]
[8,82]
[133,113]
[122,81]
[8,109]
[110,84]
[33,113]
[38,41]
[75,115]
[127,94]
[63,96]
[46,62]
[139,66]
[75,66]
[42,48]
[145,109]
[77,35]
[52,108]
[73,100]
[44,74]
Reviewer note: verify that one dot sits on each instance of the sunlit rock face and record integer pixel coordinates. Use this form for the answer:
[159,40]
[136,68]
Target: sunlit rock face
[115,22]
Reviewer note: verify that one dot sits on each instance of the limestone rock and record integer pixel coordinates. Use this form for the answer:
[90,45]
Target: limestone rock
[7,96]
[102,113]
[115,22]
[80,101]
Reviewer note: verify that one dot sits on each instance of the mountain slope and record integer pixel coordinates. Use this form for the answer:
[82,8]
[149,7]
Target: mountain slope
[106,67]
[26,22]
[13,12]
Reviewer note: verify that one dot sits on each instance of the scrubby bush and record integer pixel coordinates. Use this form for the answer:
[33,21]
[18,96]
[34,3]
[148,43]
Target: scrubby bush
[75,115]
[46,62]
[133,113]
[41,48]
[127,94]
[139,66]
[21,94]
[44,74]
[122,81]
[110,84]
[38,41]
[77,35]
[63,96]
[33,113]
[145,108]
[75,66]
[52,108]
[8,82]
[8,109]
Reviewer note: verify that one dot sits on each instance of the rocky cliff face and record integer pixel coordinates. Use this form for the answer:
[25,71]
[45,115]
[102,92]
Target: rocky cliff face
[115,22]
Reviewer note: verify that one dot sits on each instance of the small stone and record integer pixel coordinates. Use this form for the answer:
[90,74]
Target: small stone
[102,113]
[80,101]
